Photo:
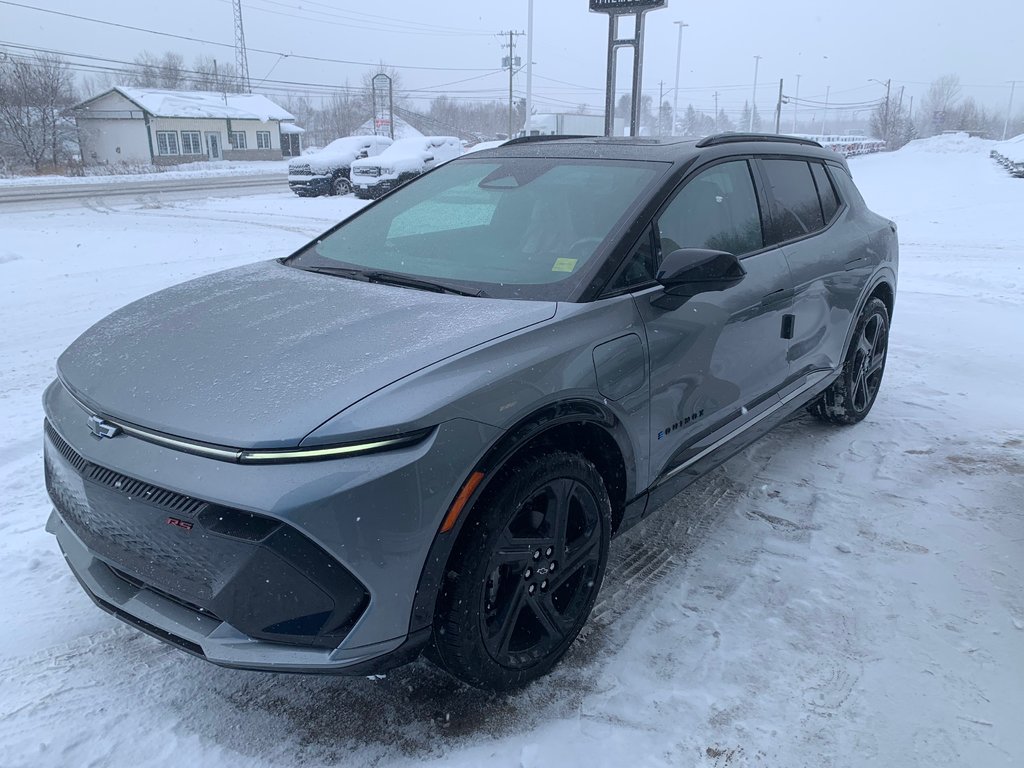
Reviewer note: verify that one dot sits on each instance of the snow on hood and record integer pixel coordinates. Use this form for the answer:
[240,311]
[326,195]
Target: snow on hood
[239,106]
[408,154]
[261,355]
[337,154]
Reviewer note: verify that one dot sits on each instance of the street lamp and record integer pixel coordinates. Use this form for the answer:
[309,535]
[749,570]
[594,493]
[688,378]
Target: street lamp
[675,93]
[753,105]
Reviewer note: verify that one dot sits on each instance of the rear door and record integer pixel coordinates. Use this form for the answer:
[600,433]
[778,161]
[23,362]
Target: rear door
[825,252]
[719,358]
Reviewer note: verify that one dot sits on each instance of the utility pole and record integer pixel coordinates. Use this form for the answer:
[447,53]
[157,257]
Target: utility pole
[753,102]
[795,100]
[241,59]
[888,85]
[675,91]
[778,109]
[529,68]
[1009,109]
[661,97]
[716,111]
[910,112]
[510,61]
[824,116]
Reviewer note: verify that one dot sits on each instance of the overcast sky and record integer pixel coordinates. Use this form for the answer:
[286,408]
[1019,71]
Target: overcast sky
[839,44]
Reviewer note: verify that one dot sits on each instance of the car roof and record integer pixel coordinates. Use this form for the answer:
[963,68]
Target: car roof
[664,149]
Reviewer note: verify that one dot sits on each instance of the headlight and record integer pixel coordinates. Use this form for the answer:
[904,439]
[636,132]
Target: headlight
[320,453]
[387,171]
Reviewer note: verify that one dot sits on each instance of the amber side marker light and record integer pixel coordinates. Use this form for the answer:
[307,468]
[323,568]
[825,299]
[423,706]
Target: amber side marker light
[460,501]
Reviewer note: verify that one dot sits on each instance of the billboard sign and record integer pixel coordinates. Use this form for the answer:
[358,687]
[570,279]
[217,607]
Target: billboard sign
[626,6]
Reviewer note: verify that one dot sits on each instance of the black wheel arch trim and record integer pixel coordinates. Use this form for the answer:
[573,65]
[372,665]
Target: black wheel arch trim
[883,276]
[507,445]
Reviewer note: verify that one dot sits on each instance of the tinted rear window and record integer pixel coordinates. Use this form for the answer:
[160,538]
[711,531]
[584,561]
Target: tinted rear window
[826,192]
[795,208]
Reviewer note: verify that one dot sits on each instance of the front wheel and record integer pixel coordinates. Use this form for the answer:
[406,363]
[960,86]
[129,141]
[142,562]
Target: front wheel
[341,186]
[525,573]
[851,396]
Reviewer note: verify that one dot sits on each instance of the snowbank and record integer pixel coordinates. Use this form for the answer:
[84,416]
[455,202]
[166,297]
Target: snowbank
[182,171]
[1012,149]
[948,143]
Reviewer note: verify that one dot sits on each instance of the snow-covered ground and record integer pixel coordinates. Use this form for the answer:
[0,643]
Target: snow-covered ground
[830,597]
[205,169]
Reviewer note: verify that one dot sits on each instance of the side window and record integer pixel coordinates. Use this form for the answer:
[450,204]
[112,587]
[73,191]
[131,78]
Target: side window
[638,269]
[795,208]
[716,209]
[847,189]
[826,192]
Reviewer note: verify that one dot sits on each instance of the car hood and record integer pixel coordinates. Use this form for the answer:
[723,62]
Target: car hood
[260,356]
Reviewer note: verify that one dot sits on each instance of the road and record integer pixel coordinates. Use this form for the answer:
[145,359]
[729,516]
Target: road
[31,196]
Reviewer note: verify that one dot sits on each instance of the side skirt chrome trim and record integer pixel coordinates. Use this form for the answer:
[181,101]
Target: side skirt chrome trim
[812,380]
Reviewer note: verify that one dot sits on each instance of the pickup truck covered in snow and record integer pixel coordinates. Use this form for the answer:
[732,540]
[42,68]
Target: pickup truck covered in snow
[404,160]
[327,172]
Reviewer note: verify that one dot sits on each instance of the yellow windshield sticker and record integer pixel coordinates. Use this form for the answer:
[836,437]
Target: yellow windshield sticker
[564,265]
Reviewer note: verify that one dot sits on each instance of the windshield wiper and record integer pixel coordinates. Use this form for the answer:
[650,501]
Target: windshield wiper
[395,278]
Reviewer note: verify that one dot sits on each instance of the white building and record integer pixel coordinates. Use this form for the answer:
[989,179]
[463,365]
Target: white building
[160,127]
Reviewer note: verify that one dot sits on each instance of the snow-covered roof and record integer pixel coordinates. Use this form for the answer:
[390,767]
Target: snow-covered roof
[238,106]
[402,129]
[291,128]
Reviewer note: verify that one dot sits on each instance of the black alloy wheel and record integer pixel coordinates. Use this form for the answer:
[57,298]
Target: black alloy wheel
[850,398]
[526,572]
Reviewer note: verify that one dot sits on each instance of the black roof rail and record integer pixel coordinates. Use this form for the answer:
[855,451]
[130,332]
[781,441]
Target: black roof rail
[734,138]
[547,137]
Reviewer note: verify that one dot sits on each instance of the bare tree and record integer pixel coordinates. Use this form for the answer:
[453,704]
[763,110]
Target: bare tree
[208,74]
[149,70]
[937,107]
[35,94]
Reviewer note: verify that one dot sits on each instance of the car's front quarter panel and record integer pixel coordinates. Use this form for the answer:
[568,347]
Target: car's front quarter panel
[505,381]
[376,514]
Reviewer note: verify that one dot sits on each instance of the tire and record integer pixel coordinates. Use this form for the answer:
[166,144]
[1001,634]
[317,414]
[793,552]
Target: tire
[851,396]
[525,573]
[341,186]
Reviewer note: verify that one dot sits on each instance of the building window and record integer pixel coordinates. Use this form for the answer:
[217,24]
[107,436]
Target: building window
[263,139]
[191,143]
[238,139]
[167,142]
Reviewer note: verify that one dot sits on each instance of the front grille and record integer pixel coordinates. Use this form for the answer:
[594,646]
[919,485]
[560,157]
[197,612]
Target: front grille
[372,171]
[256,573]
[300,170]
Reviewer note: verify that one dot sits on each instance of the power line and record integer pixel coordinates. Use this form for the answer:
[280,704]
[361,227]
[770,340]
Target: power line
[304,57]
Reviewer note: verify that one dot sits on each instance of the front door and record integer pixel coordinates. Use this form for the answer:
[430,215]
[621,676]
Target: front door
[720,357]
[213,145]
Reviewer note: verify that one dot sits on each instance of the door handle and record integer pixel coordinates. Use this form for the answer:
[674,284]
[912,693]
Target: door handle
[777,297]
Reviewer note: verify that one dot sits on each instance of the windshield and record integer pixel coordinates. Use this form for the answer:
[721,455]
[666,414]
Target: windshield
[510,227]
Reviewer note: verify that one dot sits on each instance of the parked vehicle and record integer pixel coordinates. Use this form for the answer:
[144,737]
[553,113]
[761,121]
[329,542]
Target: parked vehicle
[402,161]
[422,429]
[570,124]
[327,171]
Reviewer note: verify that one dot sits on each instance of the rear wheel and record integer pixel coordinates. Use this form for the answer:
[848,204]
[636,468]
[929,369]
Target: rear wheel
[851,396]
[525,573]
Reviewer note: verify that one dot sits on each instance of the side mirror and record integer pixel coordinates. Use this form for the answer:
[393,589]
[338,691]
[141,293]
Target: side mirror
[691,271]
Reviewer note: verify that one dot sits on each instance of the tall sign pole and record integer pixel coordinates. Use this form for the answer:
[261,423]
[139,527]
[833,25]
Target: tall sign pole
[615,10]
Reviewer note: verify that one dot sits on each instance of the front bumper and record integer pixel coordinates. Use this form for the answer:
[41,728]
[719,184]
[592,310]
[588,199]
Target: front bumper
[310,185]
[371,190]
[296,567]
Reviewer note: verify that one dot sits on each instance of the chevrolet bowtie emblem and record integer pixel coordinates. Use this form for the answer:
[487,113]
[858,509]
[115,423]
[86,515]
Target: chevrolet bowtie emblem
[101,428]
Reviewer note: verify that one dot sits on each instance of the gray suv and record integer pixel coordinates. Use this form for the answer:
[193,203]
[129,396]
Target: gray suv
[421,431]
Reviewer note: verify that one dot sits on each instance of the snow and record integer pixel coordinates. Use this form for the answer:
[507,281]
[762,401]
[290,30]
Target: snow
[1012,149]
[340,153]
[237,106]
[203,169]
[403,130]
[830,597]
